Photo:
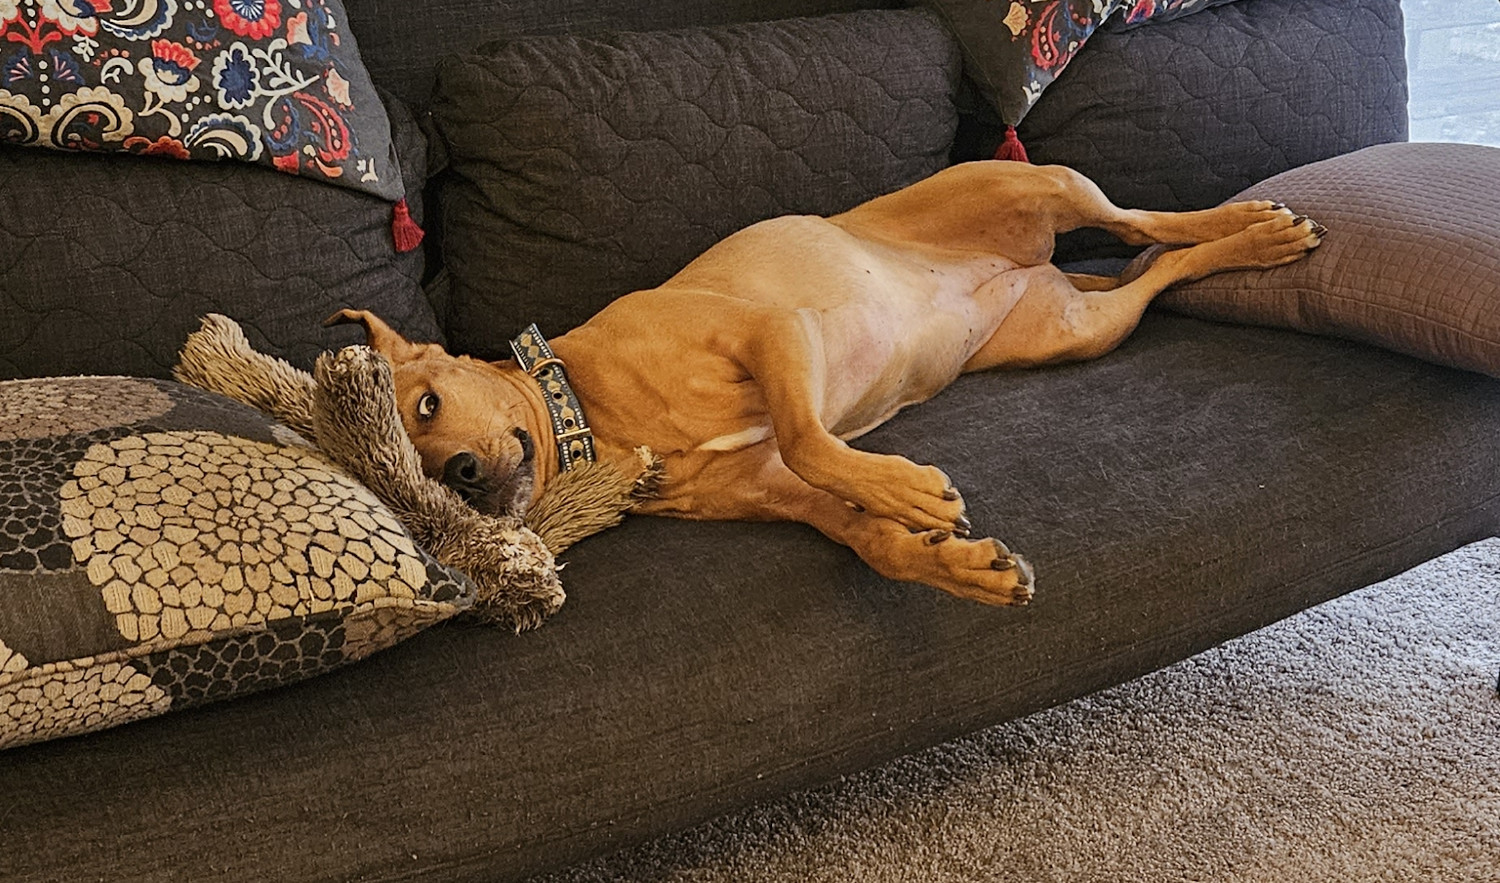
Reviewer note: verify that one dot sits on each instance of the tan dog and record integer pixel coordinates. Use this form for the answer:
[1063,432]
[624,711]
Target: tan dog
[750,369]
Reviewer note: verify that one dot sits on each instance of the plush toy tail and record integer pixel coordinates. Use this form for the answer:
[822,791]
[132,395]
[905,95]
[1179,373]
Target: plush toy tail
[219,359]
[1011,147]
[589,498]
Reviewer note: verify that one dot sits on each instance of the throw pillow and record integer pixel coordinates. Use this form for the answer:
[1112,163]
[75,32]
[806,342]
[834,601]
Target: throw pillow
[1411,261]
[589,168]
[1014,50]
[274,82]
[107,262]
[161,547]
[1143,11]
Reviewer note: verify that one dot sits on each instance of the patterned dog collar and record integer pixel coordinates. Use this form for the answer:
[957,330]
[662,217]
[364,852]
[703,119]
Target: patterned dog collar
[575,441]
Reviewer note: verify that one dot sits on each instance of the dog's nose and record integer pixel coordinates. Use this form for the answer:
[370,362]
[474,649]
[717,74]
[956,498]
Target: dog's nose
[463,470]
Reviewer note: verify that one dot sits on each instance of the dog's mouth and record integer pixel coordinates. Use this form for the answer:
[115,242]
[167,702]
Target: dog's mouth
[492,485]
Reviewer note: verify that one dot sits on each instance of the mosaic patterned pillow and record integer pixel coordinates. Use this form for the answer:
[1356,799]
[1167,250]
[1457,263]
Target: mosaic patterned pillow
[275,82]
[161,548]
[1014,49]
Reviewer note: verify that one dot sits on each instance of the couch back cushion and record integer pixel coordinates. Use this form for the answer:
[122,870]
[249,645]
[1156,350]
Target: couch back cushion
[1184,114]
[402,42]
[586,168]
[107,262]
[1013,51]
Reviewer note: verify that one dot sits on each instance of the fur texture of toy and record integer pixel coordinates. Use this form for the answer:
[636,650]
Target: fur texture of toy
[347,410]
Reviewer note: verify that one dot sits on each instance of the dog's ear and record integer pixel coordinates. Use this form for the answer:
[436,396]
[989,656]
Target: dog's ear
[380,337]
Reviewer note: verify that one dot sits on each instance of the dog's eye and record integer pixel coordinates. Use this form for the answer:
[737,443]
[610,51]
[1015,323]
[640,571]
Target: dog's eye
[427,405]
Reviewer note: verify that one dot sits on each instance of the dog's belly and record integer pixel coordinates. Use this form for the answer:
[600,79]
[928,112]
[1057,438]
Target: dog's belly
[882,356]
[893,324]
[897,322]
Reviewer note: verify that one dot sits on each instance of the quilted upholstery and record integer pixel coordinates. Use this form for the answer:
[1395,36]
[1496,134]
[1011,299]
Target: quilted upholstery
[589,168]
[401,42]
[1013,50]
[108,262]
[1183,114]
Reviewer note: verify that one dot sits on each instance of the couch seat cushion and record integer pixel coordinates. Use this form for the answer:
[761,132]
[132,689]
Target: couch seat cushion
[1199,482]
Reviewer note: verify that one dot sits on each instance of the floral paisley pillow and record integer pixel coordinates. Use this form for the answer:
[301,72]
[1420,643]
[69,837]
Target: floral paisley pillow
[1014,49]
[1161,10]
[274,82]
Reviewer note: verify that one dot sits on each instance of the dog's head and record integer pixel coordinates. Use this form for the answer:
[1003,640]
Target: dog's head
[475,424]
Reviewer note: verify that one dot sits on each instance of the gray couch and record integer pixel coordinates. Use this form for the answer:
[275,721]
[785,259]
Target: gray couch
[1202,481]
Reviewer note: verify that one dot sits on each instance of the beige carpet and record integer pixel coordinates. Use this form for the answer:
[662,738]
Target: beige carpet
[1358,741]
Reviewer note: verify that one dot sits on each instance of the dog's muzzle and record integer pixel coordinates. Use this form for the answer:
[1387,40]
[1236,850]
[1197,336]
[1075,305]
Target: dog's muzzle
[493,494]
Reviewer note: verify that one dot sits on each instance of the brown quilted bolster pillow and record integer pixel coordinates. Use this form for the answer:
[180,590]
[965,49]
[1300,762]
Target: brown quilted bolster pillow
[1411,261]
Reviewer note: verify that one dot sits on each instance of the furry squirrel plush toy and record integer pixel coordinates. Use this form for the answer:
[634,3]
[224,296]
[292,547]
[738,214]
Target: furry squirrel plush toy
[347,409]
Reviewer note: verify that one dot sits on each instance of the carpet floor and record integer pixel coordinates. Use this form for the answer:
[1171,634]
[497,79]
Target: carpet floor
[1357,741]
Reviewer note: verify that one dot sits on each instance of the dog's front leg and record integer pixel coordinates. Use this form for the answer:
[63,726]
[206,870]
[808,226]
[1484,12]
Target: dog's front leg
[980,569]
[784,354]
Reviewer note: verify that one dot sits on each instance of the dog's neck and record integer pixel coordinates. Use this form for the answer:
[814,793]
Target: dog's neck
[571,432]
[589,368]
[540,423]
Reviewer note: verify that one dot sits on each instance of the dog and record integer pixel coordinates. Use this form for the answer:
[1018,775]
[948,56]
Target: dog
[749,370]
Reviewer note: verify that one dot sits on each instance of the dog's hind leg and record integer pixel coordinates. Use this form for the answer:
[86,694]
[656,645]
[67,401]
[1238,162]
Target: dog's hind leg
[1057,321]
[1091,282]
[1016,210]
[1073,201]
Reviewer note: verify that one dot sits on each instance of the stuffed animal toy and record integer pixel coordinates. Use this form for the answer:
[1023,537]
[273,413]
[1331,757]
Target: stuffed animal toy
[347,410]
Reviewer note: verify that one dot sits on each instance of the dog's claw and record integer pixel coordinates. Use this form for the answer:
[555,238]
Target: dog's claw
[963,525]
[937,536]
[1318,230]
[1005,563]
[950,494]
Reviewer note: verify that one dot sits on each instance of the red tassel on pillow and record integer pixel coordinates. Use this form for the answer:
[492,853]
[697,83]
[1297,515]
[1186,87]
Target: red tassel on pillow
[403,229]
[1011,147]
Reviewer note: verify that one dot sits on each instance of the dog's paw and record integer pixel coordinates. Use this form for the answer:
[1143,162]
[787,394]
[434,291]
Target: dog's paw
[920,498]
[982,570]
[1278,240]
[1231,218]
